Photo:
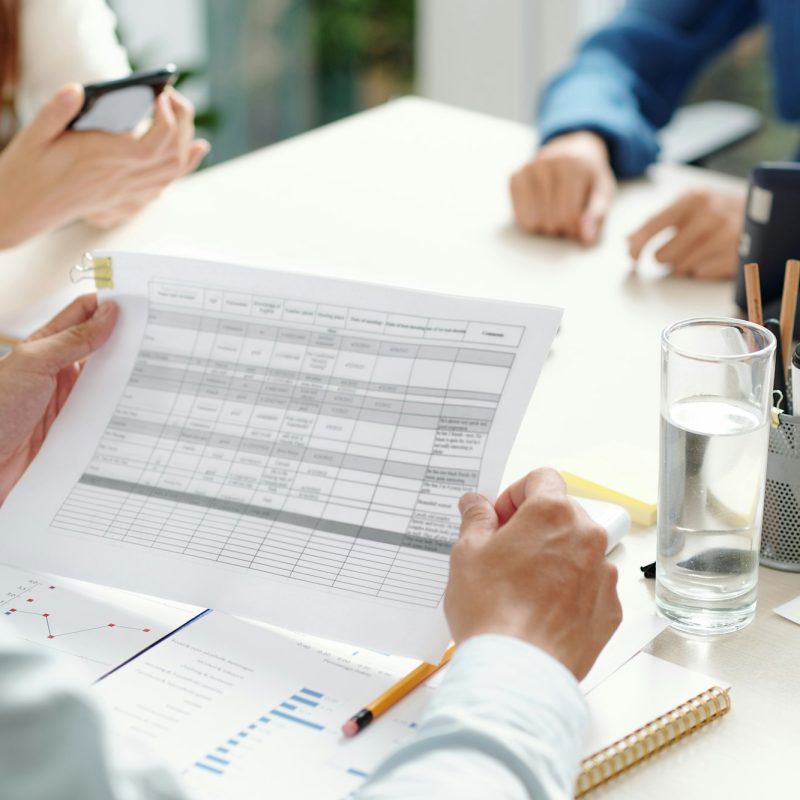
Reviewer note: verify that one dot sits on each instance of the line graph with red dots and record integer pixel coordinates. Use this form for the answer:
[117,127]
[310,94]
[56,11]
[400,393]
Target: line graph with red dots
[100,627]
[53,632]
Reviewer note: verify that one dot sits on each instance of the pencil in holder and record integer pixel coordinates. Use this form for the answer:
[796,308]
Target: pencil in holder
[780,533]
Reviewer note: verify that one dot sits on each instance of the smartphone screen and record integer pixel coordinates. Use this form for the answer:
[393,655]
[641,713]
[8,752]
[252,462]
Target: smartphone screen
[119,106]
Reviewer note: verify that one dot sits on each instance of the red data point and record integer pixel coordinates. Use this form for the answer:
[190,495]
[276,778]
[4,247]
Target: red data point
[12,609]
[30,599]
[51,636]
[45,615]
[146,630]
[110,624]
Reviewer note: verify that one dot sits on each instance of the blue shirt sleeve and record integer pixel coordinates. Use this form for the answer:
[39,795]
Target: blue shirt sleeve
[629,76]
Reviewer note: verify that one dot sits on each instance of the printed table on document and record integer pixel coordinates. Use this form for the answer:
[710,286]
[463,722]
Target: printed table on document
[311,442]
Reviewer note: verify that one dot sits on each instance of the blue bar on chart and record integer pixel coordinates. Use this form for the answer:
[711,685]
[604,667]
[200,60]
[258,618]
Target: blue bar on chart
[358,773]
[209,768]
[298,720]
[302,702]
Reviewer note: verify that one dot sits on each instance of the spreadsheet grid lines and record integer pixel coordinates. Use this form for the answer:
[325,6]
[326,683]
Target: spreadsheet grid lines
[315,454]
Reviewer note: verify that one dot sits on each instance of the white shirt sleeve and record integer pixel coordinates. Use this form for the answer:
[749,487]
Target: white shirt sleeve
[508,722]
[62,41]
[53,742]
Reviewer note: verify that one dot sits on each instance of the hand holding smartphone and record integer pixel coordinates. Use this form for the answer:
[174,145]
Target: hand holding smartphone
[118,106]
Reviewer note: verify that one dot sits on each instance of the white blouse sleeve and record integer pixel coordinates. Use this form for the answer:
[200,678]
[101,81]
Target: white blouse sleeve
[63,41]
[53,738]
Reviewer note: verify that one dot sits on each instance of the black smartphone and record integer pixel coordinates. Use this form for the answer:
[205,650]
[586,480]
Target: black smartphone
[119,106]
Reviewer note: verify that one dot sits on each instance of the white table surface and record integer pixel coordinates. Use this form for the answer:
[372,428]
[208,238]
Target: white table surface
[415,194]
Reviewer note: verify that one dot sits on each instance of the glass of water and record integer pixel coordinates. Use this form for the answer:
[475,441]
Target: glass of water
[716,394]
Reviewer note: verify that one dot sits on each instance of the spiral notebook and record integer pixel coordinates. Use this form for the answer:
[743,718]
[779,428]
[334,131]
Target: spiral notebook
[643,708]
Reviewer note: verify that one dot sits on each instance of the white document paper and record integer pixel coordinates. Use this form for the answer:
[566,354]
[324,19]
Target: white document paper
[97,627]
[639,626]
[790,610]
[238,709]
[280,446]
[233,706]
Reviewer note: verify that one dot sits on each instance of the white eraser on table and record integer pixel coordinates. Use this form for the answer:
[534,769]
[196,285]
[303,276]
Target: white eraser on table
[615,519]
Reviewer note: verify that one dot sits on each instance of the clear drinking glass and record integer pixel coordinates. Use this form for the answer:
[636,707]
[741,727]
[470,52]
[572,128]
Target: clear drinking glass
[716,394]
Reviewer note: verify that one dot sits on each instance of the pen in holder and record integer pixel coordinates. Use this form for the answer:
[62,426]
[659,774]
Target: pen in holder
[780,533]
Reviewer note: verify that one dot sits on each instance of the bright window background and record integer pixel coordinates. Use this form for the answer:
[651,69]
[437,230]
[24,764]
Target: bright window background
[263,70]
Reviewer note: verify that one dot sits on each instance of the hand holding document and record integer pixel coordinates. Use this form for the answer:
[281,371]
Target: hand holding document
[280,446]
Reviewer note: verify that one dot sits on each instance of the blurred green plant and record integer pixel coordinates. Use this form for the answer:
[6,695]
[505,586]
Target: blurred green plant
[364,53]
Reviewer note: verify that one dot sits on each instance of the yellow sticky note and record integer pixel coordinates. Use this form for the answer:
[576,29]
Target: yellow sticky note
[623,475]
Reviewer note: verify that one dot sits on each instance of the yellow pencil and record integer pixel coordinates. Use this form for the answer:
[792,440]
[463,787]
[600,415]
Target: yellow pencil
[394,694]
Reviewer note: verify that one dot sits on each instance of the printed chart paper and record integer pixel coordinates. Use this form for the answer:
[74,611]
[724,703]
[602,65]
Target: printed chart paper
[97,627]
[280,446]
[232,706]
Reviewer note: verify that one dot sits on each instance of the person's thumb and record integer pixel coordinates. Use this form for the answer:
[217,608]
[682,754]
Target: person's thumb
[595,212]
[52,353]
[54,115]
[478,517]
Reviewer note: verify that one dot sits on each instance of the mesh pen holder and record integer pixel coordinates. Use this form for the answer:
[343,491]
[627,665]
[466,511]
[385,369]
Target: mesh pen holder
[780,533]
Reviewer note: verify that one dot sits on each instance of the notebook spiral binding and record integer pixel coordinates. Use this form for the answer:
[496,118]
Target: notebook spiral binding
[98,269]
[652,738]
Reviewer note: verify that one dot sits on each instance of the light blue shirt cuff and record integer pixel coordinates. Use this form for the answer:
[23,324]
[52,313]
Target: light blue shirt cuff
[504,701]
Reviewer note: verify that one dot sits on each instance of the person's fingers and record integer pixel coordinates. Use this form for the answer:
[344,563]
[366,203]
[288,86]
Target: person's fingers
[62,349]
[606,616]
[673,214]
[65,382]
[569,193]
[163,130]
[510,500]
[54,115]
[169,169]
[183,111]
[199,149]
[688,237]
[711,249]
[478,517]
[543,184]
[523,200]
[78,311]
[538,484]
[543,483]
[718,268]
[594,215]
[608,598]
